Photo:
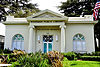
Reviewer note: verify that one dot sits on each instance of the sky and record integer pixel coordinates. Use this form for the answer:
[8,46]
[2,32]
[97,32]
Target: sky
[48,4]
[42,5]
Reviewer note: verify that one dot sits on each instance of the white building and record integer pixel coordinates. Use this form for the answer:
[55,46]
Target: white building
[48,31]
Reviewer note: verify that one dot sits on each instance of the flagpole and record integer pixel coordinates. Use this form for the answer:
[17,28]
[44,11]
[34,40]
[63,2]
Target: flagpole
[98,37]
[98,13]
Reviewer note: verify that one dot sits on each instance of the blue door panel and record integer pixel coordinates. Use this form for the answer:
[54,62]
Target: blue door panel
[49,46]
[45,47]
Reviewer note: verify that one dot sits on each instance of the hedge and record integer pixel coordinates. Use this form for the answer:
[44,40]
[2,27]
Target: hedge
[70,55]
[90,58]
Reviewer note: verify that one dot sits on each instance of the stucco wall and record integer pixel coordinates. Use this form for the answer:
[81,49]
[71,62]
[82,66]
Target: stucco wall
[48,31]
[86,30]
[12,30]
[71,29]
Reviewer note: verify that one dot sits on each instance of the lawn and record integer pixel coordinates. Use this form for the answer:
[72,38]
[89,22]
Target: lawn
[67,63]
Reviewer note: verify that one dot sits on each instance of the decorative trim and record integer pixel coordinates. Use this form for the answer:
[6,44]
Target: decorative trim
[81,22]
[46,11]
[62,26]
[31,27]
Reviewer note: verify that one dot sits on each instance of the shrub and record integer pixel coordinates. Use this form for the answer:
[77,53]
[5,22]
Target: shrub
[95,53]
[90,58]
[1,51]
[32,60]
[65,62]
[70,55]
[18,52]
[78,55]
[5,51]
[55,58]
[8,58]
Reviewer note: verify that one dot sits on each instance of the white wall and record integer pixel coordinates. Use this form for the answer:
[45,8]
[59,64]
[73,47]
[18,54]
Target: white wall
[86,30]
[45,31]
[12,30]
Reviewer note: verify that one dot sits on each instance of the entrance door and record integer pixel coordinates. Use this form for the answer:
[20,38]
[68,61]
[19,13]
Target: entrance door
[47,42]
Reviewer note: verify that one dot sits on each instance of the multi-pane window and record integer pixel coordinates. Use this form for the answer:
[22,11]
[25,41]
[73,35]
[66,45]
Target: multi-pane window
[47,38]
[18,42]
[47,41]
[79,43]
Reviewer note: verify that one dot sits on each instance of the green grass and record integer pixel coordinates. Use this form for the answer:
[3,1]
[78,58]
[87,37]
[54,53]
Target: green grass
[67,63]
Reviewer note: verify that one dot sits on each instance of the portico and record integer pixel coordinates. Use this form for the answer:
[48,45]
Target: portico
[46,18]
[32,32]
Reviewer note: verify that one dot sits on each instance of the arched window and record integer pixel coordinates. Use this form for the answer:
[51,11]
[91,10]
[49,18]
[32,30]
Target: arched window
[79,43]
[18,42]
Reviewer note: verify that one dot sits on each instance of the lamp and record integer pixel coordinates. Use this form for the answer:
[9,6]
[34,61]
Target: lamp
[38,38]
[56,37]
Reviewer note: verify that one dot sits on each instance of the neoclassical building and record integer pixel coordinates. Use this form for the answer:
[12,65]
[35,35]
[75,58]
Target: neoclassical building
[47,31]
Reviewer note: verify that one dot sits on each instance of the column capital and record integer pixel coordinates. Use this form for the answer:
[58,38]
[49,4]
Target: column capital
[32,27]
[62,26]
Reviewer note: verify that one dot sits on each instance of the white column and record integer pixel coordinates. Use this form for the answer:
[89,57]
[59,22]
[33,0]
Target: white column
[63,38]
[31,31]
[34,45]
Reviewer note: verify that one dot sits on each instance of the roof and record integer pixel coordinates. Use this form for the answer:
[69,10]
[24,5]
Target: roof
[85,19]
[47,15]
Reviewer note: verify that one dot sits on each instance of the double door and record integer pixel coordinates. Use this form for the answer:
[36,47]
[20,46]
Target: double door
[47,42]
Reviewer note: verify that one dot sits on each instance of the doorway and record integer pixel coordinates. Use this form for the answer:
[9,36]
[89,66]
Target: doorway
[47,43]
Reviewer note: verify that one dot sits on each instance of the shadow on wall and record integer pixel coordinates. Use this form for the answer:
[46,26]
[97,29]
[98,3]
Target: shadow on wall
[97,36]
[2,41]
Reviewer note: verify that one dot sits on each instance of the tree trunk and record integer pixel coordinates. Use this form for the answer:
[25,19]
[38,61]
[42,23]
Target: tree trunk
[95,43]
[99,44]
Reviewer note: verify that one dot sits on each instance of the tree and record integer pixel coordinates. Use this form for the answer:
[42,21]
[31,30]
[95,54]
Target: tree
[77,7]
[18,8]
[72,8]
[97,34]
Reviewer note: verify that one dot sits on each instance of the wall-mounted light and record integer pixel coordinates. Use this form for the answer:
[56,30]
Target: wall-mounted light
[38,38]
[56,37]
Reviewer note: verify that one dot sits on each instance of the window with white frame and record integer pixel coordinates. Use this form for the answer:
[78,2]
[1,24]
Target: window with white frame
[18,42]
[79,42]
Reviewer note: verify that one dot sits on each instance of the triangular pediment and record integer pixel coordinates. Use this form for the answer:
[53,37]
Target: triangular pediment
[46,14]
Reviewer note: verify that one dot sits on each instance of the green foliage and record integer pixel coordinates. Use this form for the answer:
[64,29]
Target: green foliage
[9,58]
[20,58]
[84,63]
[65,62]
[96,53]
[5,51]
[1,51]
[88,54]
[32,60]
[70,55]
[15,64]
[80,63]
[90,58]
[94,56]
[77,7]
[17,8]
